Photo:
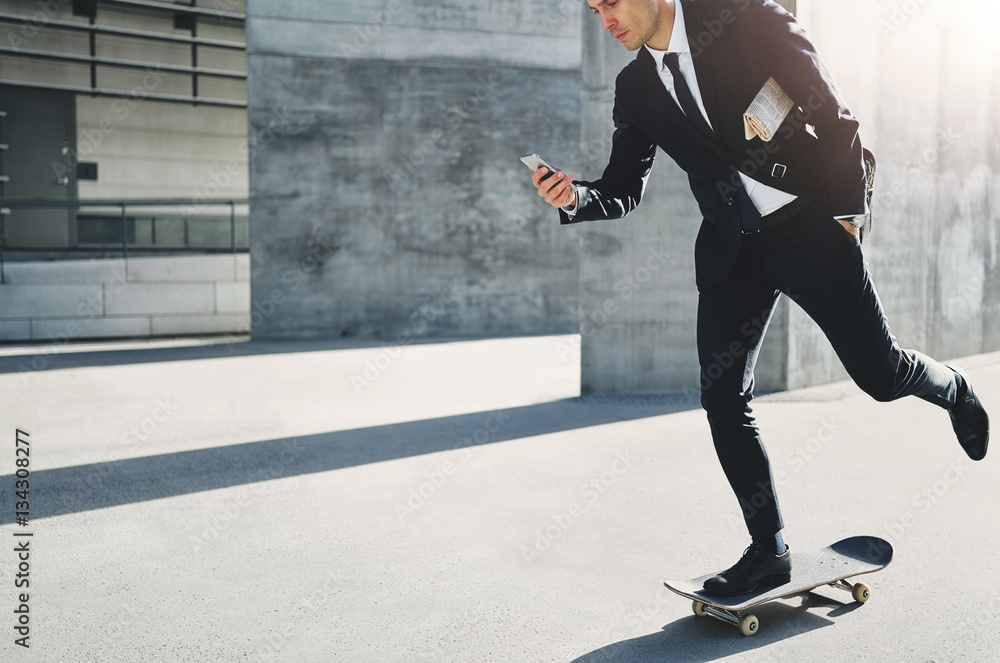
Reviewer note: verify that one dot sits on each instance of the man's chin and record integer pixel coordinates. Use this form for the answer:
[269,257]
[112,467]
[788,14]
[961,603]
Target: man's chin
[631,43]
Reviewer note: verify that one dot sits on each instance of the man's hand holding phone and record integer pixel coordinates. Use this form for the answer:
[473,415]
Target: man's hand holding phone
[555,187]
[552,184]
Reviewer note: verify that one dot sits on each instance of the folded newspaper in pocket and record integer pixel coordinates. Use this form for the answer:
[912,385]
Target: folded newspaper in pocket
[767,111]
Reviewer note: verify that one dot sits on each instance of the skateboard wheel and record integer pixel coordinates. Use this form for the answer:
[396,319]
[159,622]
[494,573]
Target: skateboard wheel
[699,608]
[861,593]
[748,625]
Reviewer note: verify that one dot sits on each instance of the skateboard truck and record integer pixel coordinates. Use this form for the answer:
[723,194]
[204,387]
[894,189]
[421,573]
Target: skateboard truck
[748,623]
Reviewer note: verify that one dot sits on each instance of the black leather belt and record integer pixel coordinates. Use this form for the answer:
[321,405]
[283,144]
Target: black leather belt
[789,211]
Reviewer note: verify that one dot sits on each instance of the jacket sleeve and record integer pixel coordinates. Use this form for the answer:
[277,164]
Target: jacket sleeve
[620,188]
[793,62]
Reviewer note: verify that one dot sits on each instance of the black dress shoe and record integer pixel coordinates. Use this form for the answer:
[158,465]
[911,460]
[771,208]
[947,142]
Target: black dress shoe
[969,419]
[757,568]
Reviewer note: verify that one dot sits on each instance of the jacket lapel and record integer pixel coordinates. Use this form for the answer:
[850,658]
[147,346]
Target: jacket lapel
[703,70]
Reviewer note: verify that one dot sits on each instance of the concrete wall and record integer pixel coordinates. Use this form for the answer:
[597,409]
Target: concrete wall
[924,79]
[138,298]
[388,200]
[925,83]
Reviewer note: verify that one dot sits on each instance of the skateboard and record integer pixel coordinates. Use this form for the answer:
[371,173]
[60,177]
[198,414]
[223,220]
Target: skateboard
[831,566]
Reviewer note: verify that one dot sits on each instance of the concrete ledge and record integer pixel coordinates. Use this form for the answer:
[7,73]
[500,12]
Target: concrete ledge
[199,324]
[411,43]
[38,300]
[15,330]
[79,328]
[65,271]
[555,18]
[138,298]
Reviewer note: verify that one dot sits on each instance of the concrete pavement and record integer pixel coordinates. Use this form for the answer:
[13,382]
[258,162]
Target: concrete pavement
[220,500]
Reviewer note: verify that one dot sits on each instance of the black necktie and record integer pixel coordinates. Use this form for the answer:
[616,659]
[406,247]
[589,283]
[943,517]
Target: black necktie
[749,216]
[684,96]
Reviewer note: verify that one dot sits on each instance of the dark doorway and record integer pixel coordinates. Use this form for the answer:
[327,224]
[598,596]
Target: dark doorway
[40,161]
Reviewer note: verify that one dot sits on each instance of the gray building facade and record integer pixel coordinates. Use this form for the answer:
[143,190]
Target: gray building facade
[119,101]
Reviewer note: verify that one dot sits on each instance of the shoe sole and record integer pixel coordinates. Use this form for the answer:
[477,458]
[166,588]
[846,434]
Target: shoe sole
[769,581]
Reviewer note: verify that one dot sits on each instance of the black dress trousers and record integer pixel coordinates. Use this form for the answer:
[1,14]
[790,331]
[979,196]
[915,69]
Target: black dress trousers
[814,261]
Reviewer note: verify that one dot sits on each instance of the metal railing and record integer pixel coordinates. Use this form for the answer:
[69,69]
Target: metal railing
[184,212]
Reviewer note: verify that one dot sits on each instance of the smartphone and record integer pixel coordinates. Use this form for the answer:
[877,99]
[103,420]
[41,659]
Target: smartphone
[534,162]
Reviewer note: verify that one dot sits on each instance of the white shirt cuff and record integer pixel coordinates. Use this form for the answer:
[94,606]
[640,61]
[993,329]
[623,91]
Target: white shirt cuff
[571,211]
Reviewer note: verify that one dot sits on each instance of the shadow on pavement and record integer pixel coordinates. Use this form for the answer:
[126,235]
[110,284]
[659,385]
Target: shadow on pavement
[117,482]
[697,639]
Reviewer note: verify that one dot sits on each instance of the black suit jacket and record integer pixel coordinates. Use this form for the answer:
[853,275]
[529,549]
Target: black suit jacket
[735,45]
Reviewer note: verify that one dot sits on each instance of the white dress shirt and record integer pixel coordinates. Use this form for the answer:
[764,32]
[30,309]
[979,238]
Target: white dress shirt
[765,198]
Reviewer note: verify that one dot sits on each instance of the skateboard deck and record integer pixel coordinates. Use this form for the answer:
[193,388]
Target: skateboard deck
[832,566]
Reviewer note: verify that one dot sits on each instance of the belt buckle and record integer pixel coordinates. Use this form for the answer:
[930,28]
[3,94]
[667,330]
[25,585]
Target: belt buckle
[778,170]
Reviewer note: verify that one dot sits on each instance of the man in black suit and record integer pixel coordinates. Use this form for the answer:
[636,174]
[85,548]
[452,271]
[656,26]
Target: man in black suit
[779,216]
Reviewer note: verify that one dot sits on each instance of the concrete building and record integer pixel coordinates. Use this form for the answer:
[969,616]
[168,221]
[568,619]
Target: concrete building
[119,101]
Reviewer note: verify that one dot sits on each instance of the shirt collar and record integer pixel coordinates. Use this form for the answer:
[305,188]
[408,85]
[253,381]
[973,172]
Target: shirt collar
[678,37]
